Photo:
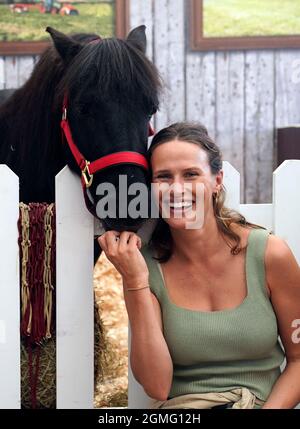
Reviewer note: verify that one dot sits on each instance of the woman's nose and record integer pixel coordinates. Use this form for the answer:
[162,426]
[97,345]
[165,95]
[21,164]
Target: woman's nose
[177,188]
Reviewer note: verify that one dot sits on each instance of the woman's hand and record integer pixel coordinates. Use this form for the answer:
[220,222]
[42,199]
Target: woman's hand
[123,251]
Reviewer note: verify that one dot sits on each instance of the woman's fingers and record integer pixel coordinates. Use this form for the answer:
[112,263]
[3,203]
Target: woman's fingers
[107,240]
[121,251]
[124,240]
[102,242]
[114,241]
[139,242]
[134,241]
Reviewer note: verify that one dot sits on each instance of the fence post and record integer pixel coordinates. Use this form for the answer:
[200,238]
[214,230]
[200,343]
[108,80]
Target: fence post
[10,391]
[232,183]
[261,214]
[286,204]
[74,295]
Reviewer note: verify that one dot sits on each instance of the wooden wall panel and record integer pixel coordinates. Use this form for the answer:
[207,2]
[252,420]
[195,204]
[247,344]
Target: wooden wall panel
[241,96]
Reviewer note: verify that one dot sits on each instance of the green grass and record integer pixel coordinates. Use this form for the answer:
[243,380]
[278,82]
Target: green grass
[94,18]
[231,18]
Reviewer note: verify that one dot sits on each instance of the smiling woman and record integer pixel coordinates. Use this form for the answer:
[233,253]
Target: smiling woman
[23,24]
[205,305]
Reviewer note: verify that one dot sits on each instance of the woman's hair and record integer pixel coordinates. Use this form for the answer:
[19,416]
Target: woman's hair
[161,238]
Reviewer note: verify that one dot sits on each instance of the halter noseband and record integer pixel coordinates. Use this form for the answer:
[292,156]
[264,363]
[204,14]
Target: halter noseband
[88,169]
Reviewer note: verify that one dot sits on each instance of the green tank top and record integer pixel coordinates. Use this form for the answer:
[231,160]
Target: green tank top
[222,350]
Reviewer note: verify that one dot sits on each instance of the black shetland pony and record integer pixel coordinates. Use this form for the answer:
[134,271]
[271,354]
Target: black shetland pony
[107,91]
[111,90]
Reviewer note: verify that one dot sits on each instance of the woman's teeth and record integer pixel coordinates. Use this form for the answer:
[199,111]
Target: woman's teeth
[181,205]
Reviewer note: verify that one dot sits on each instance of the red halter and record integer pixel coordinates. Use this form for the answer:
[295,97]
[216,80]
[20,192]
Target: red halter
[88,169]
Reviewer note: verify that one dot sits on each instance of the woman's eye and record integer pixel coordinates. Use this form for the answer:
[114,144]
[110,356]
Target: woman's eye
[191,174]
[163,176]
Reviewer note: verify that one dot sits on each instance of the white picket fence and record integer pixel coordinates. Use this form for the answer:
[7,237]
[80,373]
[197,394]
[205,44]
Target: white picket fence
[75,229]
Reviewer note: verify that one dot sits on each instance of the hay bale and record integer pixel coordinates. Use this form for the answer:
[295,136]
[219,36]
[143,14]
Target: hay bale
[111,389]
[46,382]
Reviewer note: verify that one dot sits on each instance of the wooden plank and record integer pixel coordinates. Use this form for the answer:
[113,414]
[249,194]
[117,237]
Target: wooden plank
[74,295]
[2,73]
[230,109]
[259,126]
[169,54]
[201,89]
[177,59]
[161,56]
[287,100]
[25,67]
[141,12]
[10,391]
[286,201]
[11,72]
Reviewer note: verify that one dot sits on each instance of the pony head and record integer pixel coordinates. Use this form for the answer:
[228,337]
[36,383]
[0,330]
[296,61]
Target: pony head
[112,92]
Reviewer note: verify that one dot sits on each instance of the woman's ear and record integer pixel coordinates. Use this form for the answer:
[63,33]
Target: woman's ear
[219,181]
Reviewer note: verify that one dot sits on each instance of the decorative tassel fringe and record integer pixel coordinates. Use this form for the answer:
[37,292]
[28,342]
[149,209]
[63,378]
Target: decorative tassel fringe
[37,261]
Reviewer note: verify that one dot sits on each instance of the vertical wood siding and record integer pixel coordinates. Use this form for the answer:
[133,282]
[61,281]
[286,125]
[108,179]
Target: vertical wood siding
[241,96]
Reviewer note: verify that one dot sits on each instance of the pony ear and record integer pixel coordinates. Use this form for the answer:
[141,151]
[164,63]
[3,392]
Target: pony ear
[138,38]
[65,46]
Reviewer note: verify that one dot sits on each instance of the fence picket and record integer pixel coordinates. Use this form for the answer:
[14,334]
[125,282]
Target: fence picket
[9,291]
[74,295]
[286,204]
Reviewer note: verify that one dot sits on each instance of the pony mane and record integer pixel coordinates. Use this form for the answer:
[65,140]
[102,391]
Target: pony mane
[113,67]
[30,118]
[29,122]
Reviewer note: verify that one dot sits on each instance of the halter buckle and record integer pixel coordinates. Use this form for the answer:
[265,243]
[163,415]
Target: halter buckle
[87,176]
[64,114]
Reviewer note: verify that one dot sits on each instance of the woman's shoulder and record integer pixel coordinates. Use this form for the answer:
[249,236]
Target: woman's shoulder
[282,268]
[278,252]
[243,231]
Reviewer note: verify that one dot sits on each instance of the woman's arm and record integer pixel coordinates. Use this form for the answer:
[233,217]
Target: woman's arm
[283,278]
[150,359]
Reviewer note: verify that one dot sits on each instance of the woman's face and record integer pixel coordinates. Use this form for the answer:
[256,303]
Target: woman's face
[186,184]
